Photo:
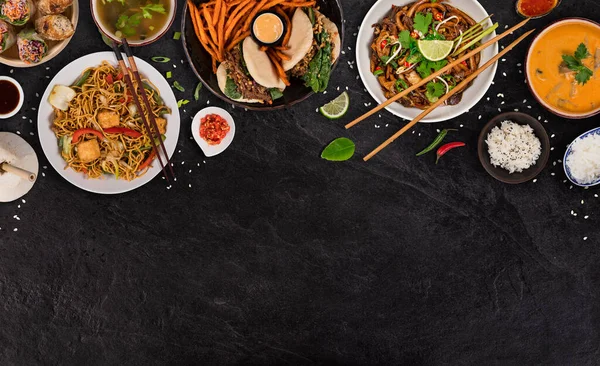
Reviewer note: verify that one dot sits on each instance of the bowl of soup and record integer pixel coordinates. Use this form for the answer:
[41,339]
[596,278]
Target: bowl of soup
[563,68]
[140,21]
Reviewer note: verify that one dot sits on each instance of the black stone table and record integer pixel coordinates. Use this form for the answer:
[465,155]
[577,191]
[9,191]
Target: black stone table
[267,254]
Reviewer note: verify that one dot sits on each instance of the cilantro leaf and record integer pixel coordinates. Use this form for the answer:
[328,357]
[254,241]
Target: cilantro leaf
[434,36]
[427,68]
[157,8]
[581,52]
[434,91]
[422,22]
[584,75]
[405,39]
[134,20]
[122,21]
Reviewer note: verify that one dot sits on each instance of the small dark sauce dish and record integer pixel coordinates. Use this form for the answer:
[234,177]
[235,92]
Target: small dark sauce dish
[283,30]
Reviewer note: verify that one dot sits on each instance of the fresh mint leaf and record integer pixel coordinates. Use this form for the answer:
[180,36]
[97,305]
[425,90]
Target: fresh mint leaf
[157,8]
[422,22]
[581,52]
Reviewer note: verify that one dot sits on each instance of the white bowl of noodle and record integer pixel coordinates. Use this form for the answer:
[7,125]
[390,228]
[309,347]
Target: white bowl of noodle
[471,96]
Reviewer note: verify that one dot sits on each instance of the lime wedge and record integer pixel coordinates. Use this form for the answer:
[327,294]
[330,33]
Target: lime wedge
[337,107]
[435,50]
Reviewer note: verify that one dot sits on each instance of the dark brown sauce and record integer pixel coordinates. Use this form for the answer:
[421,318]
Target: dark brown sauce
[9,97]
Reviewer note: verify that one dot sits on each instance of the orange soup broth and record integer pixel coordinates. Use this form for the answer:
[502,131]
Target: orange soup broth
[560,90]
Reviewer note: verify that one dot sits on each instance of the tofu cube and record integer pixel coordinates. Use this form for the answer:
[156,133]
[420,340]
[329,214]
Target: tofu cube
[162,125]
[108,119]
[88,151]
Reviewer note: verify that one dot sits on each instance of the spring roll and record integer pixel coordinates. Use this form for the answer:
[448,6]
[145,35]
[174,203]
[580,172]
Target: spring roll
[8,36]
[53,7]
[16,12]
[54,27]
[32,47]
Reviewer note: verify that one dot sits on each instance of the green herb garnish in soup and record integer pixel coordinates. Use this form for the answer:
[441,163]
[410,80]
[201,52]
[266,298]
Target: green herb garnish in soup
[135,20]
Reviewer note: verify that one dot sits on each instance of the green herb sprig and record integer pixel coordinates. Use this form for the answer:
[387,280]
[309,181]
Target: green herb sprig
[582,72]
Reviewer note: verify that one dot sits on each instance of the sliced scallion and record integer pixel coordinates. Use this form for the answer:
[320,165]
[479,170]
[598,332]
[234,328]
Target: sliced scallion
[169,74]
[178,86]
[176,36]
[160,59]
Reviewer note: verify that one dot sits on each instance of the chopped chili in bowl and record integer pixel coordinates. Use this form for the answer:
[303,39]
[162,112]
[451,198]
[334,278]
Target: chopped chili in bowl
[213,129]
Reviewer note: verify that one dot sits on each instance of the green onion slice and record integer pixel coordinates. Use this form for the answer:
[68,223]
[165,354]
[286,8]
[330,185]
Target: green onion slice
[160,59]
[197,91]
[176,36]
[178,86]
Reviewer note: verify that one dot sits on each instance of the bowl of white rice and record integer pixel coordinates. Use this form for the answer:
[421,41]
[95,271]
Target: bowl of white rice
[513,147]
[582,159]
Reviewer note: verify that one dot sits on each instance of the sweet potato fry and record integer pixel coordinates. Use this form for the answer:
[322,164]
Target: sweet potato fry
[237,40]
[278,68]
[253,14]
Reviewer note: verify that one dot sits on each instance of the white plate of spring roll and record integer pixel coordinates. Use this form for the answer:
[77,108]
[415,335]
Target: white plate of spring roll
[33,32]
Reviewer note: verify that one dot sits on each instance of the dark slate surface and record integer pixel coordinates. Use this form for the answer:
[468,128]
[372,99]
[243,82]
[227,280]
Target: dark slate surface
[267,254]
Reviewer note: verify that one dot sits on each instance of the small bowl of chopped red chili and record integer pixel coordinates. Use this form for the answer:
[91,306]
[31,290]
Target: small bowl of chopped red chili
[213,129]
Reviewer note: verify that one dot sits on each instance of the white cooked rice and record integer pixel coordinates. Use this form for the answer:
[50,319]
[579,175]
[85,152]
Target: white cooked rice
[513,147]
[8,180]
[584,160]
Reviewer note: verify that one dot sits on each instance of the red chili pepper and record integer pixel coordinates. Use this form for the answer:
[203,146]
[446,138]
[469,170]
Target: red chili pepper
[447,147]
[383,43]
[109,79]
[464,63]
[438,16]
[77,134]
[122,130]
[406,64]
[147,162]
[414,34]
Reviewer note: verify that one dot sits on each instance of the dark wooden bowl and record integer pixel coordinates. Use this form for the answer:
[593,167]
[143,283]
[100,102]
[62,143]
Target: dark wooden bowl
[201,61]
[498,172]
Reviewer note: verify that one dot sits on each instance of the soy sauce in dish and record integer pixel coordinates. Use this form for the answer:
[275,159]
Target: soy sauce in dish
[9,97]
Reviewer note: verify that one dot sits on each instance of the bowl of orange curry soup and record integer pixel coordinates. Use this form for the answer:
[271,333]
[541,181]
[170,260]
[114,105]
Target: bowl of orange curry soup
[563,68]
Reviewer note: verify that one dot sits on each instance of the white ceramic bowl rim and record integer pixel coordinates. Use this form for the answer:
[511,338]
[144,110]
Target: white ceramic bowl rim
[21,97]
[141,42]
[470,97]
[552,108]
[595,131]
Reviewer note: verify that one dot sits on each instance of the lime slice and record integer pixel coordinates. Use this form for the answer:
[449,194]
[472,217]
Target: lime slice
[337,107]
[435,50]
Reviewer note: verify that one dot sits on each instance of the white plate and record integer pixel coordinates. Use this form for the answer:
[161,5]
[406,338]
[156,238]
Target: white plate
[108,184]
[27,159]
[470,97]
[212,150]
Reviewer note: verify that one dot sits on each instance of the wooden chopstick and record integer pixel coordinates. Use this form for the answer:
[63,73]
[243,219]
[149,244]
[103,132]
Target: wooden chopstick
[153,124]
[436,74]
[456,89]
[136,99]
[21,173]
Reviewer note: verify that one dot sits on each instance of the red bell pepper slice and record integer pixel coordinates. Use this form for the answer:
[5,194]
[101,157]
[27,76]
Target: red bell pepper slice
[125,131]
[120,76]
[82,131]
[147,162]
[109,79]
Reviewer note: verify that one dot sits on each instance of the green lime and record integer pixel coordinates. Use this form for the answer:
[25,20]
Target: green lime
[337,107]
[435,50]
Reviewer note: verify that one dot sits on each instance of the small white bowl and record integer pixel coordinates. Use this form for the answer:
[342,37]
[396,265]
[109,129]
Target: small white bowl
[595,131]
[142,42]
[21,97]
[212,150]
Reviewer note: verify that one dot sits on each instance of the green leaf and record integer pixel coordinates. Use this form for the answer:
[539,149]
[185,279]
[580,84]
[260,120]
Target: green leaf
[231,90]
[340,149]
[405,39]
[275,93]
[422,22]
[584,75]
[581,52]
[434,91]
[157,8]
[197,91]
[572,62]
[427,68]
[135,20]
[319,68]
[434,36]
[122,21]
[178,86]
